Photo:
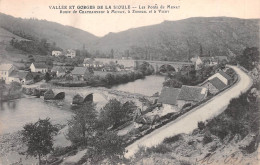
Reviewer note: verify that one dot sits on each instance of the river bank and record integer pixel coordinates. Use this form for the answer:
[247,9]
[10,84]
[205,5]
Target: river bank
[12,147]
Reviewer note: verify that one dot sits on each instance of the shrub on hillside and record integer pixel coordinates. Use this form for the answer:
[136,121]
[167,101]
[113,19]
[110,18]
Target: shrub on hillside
[161,149]
[201,125]
[207,138]
[173,139]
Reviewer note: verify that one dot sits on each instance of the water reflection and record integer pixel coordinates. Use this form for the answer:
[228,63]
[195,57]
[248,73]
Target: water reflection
[147,86]
[15,114]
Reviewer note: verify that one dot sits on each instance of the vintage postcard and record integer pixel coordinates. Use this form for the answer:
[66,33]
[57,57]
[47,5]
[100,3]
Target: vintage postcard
[138,82]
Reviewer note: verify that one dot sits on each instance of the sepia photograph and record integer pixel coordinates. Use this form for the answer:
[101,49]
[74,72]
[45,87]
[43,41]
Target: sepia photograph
[129,82]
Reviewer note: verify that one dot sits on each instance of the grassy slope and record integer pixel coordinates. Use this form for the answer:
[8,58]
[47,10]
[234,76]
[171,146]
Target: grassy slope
[7,52]
[64,36]
[217,34]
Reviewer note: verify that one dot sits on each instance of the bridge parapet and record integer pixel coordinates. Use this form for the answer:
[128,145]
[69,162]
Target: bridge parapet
[158,64]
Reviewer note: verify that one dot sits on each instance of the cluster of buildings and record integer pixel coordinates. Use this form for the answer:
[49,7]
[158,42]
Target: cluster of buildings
[105,62]
[9,73]
[70,53]
[208,61]
[190,95]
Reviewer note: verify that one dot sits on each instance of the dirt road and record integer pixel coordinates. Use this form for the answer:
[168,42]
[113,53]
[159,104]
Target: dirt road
[188,122]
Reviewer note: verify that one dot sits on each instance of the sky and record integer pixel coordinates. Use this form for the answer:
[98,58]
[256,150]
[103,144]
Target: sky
[102,24]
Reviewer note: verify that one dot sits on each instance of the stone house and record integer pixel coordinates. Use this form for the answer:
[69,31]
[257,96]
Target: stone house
[190,95]
[209,61]
[21,77]
[221,75]
[197,62]
[39,67]
[59,71]
[5,71]
[214,85]
[78,73]
[168,98]
[56,53]
[70,53]
[222,59]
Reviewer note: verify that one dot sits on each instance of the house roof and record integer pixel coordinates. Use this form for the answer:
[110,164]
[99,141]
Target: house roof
[40,65]
[208,59]
[5,67]
[192,93]
[79,70]
[88,61]
[220,58]
[216,82]
[21,74]
[224,75]
[194,59]
[58,69]
[71,51]
[169,96]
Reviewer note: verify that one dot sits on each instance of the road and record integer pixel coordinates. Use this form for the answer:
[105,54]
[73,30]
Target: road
[188,122]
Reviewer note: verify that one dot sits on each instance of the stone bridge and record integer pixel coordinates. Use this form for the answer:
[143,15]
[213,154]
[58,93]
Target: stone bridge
[158,64]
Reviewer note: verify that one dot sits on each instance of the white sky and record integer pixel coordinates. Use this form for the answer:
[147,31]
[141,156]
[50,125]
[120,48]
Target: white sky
[101,24]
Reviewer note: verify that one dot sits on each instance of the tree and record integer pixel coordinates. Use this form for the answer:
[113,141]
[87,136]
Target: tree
[30,58]
[249,58]
[201,50]
[172,83]
[111,53]
[83,123]
[14,86]
[39,138]
[114,112]
[47,77]
[201,125]
[110,79]
[106,146]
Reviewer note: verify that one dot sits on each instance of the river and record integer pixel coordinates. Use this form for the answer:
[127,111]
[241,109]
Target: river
[147,86]
[15,114]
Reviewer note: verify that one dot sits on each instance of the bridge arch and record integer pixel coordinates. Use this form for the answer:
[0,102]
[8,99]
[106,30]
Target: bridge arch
[158,64]
[167,68]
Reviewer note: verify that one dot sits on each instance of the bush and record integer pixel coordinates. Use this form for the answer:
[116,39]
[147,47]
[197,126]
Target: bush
[59,151]
[207,138]
[201,125]
[172,83]
[162,149]
[144,127]
[173,139]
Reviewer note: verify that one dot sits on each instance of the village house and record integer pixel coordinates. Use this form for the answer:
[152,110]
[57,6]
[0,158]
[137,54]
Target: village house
[56,53]
[197,62]
[168,97]
[21,77]
[226,79]
[127,63]
[214,85]
[78,73]
[190,95]
[59,71]
[39,67]
[70,53]
[209,61]
[222,59]
[90,62]
[5,71]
